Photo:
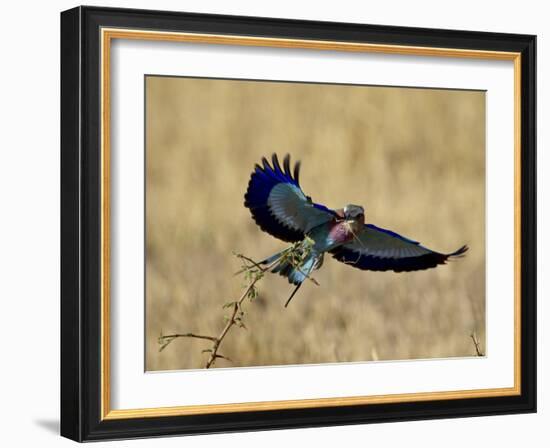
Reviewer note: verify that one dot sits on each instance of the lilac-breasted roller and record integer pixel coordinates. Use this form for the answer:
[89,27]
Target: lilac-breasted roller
[280,207]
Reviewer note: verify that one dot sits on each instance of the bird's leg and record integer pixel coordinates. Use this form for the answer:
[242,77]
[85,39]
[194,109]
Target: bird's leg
[319,262]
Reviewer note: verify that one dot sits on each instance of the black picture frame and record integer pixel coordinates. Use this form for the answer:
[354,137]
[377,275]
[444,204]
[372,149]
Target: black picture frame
[81,224]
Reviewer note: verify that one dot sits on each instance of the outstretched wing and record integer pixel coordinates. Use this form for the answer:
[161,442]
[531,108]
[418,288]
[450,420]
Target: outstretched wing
[378,249]
[278,204]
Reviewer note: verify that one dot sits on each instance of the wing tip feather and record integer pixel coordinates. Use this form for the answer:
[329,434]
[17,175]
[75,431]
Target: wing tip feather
[266,164]
[286,164]
[275,161]
[459,253]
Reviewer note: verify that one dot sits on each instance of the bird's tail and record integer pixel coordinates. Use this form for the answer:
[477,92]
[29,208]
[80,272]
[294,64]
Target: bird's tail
[296,264]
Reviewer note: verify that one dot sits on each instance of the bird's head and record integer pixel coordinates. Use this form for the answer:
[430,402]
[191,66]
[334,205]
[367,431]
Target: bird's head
[354,212]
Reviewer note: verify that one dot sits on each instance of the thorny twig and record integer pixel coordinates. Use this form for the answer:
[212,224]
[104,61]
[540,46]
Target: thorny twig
[254,272]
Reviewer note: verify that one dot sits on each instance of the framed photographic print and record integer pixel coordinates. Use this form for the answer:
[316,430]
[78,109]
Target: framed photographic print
[272,223]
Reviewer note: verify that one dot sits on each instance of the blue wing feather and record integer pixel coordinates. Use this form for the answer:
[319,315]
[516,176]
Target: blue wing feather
[391,233]
[378,249]
[278,204]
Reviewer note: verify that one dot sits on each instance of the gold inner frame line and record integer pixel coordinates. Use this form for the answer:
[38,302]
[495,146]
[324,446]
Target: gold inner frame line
[107,35]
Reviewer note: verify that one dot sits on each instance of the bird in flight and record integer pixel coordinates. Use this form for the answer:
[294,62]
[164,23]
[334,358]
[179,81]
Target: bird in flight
[280,208]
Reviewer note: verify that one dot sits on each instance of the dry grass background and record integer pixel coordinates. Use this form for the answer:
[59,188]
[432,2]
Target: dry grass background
[415,158]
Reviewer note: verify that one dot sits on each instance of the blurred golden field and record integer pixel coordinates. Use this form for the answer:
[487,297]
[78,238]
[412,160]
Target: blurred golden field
[414,158]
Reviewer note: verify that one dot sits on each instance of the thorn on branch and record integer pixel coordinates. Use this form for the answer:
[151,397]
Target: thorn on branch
[253,273]
[165,340]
